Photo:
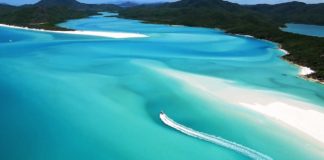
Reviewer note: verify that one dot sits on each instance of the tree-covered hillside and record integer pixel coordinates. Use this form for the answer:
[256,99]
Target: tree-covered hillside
[47,13]
[41,17]
[297,12]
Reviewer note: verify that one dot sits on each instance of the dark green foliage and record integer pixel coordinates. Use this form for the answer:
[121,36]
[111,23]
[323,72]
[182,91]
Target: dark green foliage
[40,17]
[47,13]
[55,3]
[297,12]
[75,5]
[5,9]
[262,23]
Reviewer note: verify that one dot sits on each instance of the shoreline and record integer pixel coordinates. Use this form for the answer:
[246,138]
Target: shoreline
[117,35]
[304,71]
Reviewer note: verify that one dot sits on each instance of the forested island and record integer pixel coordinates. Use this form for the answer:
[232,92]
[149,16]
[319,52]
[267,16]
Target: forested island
[260,21]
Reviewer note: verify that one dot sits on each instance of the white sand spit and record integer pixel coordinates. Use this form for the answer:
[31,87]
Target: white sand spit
[87,33]
[304,117]
[284,51]
[305,120]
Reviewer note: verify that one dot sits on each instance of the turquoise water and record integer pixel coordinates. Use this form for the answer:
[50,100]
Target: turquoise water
[82,97]
[305,29]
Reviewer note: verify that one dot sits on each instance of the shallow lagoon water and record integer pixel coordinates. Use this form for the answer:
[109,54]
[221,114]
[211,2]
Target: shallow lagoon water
[83,97]
[305,29]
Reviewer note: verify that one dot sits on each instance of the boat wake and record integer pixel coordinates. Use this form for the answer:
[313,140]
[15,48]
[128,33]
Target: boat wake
[253,154]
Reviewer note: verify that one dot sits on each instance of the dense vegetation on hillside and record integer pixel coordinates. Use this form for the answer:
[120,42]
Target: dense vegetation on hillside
[47,13]
[75,5]
[262,23]
[49,17]
[297,12]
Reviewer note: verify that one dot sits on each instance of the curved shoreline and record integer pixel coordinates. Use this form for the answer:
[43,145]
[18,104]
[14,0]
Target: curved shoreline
[304,71]
[118,35]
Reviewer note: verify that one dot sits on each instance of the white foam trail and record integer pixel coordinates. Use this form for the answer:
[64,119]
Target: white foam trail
[216,140]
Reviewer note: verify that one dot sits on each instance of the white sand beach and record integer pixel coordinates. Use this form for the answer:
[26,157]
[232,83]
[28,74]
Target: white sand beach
[245,35]
[292,111]
[87,33]
[304,71]
[284,51]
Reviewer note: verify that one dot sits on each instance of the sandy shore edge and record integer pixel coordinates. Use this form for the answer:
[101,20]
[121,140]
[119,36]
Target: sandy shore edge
[303,71]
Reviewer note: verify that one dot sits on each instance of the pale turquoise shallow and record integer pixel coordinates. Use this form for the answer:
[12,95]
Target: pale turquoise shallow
[65,97]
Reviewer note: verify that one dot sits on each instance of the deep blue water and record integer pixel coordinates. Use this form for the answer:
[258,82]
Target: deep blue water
[305,29]
[84,97]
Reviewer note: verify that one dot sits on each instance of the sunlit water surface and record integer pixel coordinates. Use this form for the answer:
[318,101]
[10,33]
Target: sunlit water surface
[66,97]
